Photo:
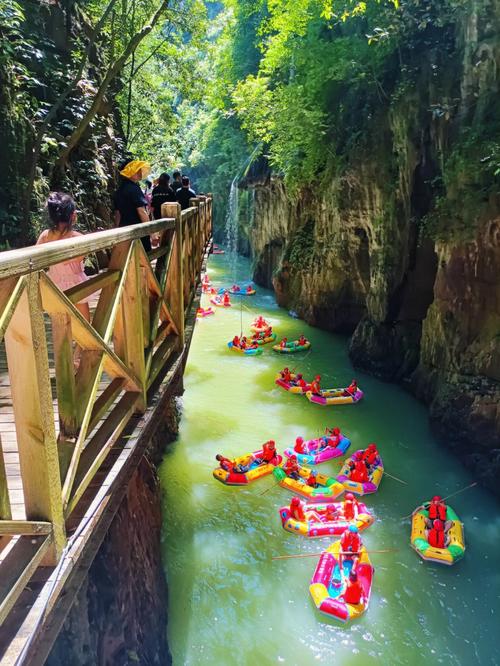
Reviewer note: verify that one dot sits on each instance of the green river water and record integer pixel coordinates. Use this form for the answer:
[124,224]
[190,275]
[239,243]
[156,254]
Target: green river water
[228,602]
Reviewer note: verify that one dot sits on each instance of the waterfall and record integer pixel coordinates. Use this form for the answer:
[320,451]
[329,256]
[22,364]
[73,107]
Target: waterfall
[233,213]
[232,218]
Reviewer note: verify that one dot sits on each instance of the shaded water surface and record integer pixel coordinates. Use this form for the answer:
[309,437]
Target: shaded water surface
[229,603]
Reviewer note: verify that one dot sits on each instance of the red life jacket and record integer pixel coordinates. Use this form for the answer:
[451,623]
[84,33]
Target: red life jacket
[353,593]
[226,464]
[268,453]
[291,466]
[350,509]
[350,539]
[311,481]
[297,512]
[436,538]
[437,510]
[333,441]
[360,474]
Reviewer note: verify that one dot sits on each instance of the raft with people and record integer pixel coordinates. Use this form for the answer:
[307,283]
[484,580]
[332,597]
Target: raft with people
[337,396]
[247,351]
[285,347]
[437,533]
[259,325]
[291,382]
[217,250]
[247,468]
[337,588]
[249,290]
[220,302]
[306,482]
[265,340]
[322,520]
[362,472]
[204,312]
[315,451]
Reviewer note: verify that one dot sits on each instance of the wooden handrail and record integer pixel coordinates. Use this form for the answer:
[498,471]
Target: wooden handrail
[37,257]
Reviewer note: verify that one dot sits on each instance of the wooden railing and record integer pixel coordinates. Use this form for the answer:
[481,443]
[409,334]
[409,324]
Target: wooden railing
[68,386]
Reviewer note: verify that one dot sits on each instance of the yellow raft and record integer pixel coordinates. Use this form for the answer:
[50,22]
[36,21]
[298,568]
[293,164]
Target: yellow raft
[455,549]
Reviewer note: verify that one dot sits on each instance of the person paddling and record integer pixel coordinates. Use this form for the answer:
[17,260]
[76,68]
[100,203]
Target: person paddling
[354,591]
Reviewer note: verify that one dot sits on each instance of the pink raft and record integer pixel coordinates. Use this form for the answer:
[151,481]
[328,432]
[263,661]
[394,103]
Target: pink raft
[319,450]
[316,523]
[329,582]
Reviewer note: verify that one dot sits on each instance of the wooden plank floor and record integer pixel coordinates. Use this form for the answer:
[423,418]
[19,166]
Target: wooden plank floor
[8,428]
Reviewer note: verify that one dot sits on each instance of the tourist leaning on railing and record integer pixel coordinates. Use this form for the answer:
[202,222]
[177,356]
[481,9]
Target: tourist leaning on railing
[62,216]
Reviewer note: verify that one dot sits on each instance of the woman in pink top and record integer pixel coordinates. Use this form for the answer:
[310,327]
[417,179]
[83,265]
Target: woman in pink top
[62,215]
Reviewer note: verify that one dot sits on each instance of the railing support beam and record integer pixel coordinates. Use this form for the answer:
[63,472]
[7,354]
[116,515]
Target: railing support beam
[28,363]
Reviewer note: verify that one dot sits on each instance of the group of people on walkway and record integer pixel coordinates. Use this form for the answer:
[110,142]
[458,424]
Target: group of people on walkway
[131,205]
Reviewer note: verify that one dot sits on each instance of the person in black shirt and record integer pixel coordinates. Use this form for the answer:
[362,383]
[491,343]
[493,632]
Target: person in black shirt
[177,182]
[185,193]
[161,194]
[129,201]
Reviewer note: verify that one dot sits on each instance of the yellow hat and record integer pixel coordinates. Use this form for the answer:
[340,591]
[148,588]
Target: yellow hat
[134,167]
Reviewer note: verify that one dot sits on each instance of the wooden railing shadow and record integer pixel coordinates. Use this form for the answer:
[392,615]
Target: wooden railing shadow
[70,386]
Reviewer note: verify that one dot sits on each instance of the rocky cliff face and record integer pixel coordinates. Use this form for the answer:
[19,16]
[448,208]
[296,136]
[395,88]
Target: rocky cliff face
[402,249]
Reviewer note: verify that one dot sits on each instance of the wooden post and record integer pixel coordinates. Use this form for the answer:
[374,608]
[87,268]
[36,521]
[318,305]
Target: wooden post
[174,288]
[65,373]
[129,325]
[28,362]
[5,513]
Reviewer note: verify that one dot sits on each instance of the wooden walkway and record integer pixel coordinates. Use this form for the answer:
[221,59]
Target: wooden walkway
[8,423]
[74,426]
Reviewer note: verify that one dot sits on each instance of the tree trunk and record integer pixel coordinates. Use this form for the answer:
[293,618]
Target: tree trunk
[113,71]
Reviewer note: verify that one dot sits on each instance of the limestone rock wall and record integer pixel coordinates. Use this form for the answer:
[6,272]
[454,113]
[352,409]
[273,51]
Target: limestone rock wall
[402,249]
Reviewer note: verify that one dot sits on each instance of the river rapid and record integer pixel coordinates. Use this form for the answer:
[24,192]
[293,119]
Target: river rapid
[229,603]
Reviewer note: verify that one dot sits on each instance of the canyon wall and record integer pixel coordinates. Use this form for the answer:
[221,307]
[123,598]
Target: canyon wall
[401,247]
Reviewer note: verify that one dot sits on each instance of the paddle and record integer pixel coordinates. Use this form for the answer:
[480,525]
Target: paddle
[270,488]
[292,557]
[395,478]
[471,485]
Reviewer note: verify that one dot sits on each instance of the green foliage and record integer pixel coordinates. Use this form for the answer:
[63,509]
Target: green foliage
[471,176]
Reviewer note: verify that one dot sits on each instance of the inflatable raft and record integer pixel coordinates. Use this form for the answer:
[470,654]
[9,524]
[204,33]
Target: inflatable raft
[317,525]
[260,329]
[318,450]
[255,471]
[204,312]
[356,487]
[241,291]
[292,347]
[218,302]
[327,487]
[292,388]
[455,549]
[248,352]
[329,583]
[334,397]
[265,341]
